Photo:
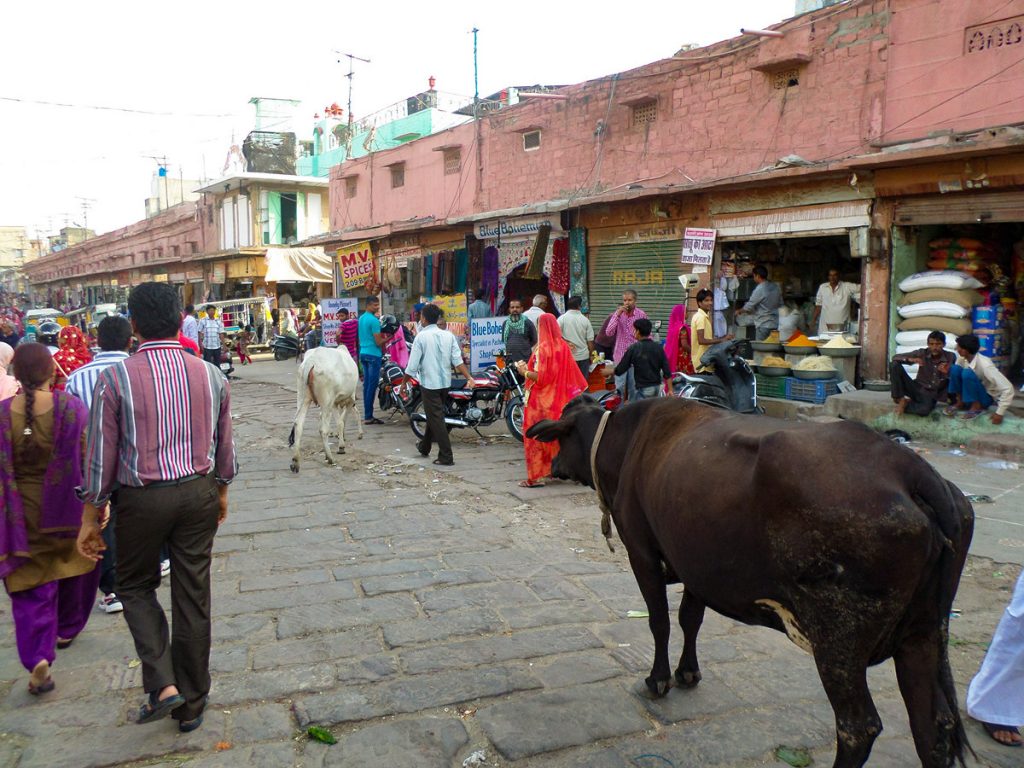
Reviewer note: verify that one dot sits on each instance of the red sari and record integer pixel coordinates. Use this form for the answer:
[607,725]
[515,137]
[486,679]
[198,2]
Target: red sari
[558,381]
[72,354]
[677,341]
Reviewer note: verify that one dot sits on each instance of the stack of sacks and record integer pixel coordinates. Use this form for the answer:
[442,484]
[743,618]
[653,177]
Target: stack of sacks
[938,301]
[963,254]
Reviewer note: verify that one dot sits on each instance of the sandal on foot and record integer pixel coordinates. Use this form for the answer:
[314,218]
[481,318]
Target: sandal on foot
[528,484]
[187,726]
[372,421]
[992,729]
[64,642]
[157,709]
[40,680]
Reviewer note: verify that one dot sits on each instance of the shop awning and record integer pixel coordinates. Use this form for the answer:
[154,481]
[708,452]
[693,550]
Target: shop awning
[298,265]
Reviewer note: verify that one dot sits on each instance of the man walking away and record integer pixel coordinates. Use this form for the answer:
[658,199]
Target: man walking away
[115,339]
[540,306]
[578,333]
[518,334]
[160,434]
[371,341]
[211,336]
[763,304]
[434,353]
[479,308]
[647,359]
[189,325]
[919,396]
[620,327]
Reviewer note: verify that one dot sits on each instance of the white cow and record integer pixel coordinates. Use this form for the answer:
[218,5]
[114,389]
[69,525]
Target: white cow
[327,377]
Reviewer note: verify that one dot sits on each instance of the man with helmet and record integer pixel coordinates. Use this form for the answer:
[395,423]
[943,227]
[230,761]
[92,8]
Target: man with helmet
[395,342]
[47,334]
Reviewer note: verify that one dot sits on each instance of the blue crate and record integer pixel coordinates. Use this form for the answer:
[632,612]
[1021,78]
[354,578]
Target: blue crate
[811,391]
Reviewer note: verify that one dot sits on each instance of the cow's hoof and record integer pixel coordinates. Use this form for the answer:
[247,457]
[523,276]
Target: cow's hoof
[653,689]
[294,466]
[330,461]
[688,679]
[341,451]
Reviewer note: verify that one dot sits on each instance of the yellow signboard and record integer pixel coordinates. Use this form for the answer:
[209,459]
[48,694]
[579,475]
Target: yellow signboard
[454,307]
[357,265]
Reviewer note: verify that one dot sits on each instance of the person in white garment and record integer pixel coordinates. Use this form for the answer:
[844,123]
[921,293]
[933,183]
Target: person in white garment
[832,304]
[995,697]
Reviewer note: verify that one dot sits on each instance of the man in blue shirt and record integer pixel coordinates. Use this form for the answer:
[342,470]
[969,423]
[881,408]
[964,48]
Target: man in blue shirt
[763,304]
[370,344]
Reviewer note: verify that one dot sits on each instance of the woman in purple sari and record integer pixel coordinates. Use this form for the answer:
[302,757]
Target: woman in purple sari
[51,585]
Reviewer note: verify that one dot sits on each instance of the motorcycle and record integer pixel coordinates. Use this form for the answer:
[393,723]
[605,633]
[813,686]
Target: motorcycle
[394,392]
[497,393]
[227,366]
[732,386]
[285,346]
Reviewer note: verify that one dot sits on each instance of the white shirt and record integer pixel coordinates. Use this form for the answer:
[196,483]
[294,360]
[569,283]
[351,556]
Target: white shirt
[577,330]
[82,381]
[190,328]
[835,304]
[434,353]
[534,313]
[210,329]
[997,385]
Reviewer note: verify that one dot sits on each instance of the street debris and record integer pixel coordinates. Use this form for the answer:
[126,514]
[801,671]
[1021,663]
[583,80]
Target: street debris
[133,663]
[321,734]
[637,614]
[979,498]
[476,758]
[798,757]
[1001,464]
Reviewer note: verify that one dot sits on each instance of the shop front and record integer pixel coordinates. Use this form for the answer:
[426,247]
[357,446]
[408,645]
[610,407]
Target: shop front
[245,277]
[506,246]
[295,276]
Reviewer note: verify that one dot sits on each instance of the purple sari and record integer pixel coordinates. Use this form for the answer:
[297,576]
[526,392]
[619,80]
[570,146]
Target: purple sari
[60,513]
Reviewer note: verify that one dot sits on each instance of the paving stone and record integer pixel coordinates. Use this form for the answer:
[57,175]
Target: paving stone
[406,582]
[256,756]
[273,599]
[519,645]
[222,544]
[230,628]
[330,535]
[521,727]
[369,670]
[360,641]
[281,580]
[554,612]
[426,742]
[614,585]
[418,692]
[305,619]
[229,658]
[378,566]
[396,526]
[576,669]
[339,706]
[270,684]
[494,595]
[556,588]
[709,698]
[442,626]
[264,722]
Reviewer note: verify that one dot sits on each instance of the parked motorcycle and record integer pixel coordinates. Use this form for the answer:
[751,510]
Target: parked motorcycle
[227,366]
[285,347]
[732,386]
[498,393]
[394,392]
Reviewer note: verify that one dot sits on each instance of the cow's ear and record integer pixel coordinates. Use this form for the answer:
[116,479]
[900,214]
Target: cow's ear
[548,431]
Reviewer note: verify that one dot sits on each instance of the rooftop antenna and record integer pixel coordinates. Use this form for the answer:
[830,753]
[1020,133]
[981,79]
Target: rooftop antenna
[161,162]
[86,205]
[352,59]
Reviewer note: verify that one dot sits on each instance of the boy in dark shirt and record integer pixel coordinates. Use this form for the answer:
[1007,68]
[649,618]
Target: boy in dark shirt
[648,361]
[919,396]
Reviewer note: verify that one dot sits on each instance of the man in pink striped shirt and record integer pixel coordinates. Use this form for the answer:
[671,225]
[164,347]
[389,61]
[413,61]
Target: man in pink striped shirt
[159,438]
[620,327]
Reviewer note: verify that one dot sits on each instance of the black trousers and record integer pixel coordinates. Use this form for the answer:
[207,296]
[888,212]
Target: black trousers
[185,516]
[584,367]
[437,432]
[922,402]
[212,356]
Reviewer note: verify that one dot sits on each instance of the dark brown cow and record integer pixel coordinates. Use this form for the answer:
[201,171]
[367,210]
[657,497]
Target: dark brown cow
[851,545]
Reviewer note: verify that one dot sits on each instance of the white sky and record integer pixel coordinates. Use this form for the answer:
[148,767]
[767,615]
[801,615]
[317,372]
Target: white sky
[194,58]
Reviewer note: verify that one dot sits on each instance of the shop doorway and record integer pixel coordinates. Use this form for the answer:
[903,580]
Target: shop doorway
[519,287]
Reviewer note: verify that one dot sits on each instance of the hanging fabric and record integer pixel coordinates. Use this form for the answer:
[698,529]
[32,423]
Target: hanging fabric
[490,276]
[448,273]
[559,279]
[461,269]
[428,275]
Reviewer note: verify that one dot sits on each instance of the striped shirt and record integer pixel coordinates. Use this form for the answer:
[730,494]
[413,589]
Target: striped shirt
[82,381]
[160,415]
[210,330]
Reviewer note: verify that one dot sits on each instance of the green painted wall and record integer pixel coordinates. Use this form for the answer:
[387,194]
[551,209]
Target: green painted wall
[909,255]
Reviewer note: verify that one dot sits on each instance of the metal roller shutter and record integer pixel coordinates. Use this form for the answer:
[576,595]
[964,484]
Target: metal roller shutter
[991,208]
[651,269]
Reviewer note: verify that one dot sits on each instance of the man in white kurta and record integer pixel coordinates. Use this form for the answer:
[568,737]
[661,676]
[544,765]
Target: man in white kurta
[996,694]
[832,304]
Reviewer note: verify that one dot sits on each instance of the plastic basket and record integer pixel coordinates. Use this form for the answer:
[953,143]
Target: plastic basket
[770,386]
[811,391]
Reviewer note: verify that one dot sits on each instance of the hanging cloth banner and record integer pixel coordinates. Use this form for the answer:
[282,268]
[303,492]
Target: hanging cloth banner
[297,265]
[535,267]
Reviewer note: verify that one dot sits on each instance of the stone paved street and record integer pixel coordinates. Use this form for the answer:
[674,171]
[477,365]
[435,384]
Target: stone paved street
[425,616]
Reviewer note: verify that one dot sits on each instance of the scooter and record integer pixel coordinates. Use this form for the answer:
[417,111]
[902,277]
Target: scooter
[732,386]
[227,366]
[285,347]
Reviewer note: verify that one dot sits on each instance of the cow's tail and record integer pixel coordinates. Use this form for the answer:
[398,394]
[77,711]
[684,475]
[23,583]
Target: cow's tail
[951,514]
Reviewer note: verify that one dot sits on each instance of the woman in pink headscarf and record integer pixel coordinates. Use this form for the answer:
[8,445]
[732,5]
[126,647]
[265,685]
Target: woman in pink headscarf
[397,348]
[8,384]
[677,341]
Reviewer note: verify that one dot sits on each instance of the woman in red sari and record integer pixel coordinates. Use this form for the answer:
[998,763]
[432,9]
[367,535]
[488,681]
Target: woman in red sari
[552,380]
[72,354]
[677,341]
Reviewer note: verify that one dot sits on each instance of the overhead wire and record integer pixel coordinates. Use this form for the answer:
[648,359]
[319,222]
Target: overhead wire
[105,108]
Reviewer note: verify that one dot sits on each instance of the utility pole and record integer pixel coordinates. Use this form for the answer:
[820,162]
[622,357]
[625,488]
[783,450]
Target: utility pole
[352,59]
[476,119]
[86,205]
[161,162]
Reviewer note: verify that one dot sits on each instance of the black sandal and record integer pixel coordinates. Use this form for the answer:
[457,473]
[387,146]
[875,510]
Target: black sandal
[992,729]
[157,709]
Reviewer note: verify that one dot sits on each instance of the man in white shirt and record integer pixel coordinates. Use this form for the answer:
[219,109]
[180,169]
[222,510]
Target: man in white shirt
[540,306]
[832,304]
[434,353]
[975,383]
[190,326]
[578,333]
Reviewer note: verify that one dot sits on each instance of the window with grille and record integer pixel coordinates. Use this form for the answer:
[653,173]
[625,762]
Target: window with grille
[452,161]
[397,176]
[350,186]
[786,79]
[645,113]
[531,140]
